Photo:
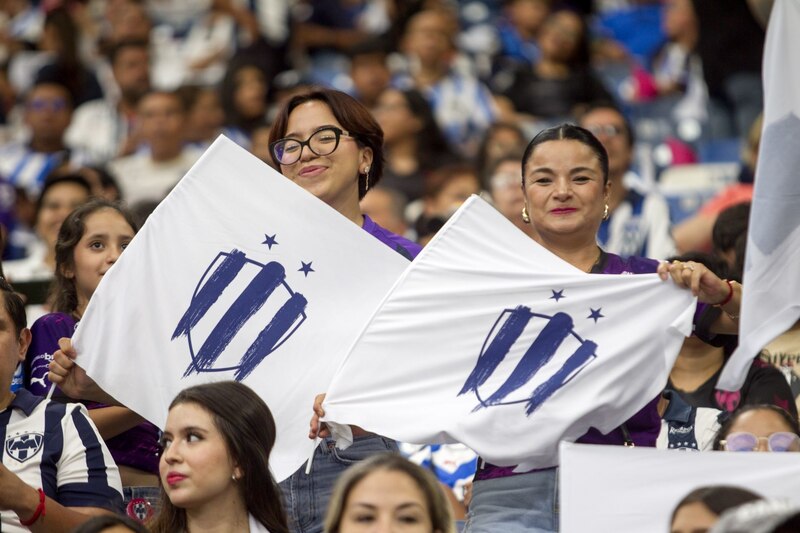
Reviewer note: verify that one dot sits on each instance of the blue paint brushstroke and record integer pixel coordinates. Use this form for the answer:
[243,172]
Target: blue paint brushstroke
[500,346]
[538,354]
[287,315]
[219,280]
[246,305]
[571,368]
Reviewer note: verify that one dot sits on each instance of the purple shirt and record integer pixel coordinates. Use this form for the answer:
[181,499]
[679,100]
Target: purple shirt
[137,447]
[399,244]
[643,427]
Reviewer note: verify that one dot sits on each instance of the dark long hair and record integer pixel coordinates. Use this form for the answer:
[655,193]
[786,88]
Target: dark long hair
[717,498]
[62,291]
[353,116]
[247,426]
[432,147]
[568,132]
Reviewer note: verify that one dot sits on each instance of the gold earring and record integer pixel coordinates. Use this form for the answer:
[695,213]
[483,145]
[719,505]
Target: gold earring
[525,218]
[605,213]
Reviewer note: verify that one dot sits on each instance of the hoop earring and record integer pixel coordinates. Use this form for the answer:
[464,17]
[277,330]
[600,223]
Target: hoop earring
[525,218]
[605,213]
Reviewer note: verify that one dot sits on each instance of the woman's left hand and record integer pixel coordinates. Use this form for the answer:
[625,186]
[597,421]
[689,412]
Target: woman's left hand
[703,283]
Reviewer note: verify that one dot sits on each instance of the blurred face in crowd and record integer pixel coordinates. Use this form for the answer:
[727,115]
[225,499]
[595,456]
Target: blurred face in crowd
[679,18]
[429,37]
[370,76]
[454,193]
[564,190]
[206,117]
[57,203]
[560,36]
[13,347]
[507,193]
[48,111]
[381,207]
[162,119]
[502,141]
[608,125]
[527,15]
[693,517]
[132,72]
[386,501]
[395,117]
[250,97]
[332,178]
[106,235]
[196,467]
[759,429]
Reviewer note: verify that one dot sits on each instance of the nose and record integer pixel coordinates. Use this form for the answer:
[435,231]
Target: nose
[306,154]
[113,254]
[171,454]
[562,187]
[762,445]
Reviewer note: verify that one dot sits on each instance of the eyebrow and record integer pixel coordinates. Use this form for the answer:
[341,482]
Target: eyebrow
[575,170]
[402,506]
[294,134]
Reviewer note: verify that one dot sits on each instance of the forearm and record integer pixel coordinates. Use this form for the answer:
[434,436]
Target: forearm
[728,321]
[56,518]
[111,421]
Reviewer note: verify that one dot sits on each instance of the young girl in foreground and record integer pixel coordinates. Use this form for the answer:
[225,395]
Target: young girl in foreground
[90,241]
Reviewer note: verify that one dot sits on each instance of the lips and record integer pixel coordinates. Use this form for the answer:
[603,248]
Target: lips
[311,171]
[563,210]
[174,478]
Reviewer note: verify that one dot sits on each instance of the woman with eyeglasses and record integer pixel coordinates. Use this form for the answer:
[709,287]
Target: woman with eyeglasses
[329,144]
[759,428]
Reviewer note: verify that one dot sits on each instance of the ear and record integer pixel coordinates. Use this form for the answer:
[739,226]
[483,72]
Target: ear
[365,158]
[238,474]
[607,191]
[67,271]
[23,341]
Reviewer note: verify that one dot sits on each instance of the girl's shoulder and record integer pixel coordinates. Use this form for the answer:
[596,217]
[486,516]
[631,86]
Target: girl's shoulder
[56,322]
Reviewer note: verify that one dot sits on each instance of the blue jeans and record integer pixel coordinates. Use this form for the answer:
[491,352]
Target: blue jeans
[524,503]
[306,496]
[141,503]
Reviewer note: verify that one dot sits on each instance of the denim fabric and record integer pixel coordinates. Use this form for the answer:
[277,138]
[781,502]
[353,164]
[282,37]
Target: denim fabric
[525,503]
[306,497]
[141,503]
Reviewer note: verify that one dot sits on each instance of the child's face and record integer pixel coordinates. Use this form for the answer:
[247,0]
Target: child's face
[105,236]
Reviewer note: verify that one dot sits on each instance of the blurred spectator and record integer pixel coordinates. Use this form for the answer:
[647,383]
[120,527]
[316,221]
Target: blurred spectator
[730,227]
[386,207]
[561,81]
[505,187]
[244,99]
[47,114]
[60,195]
[638,222]
[413,143]
[20,28]
[150,175]
[500,140]
[369,72]
[462,105]
[731,45]
[61,38]
[105,129]
[518,32]
[204,115]
[694,233]
[259,144]
[448,187]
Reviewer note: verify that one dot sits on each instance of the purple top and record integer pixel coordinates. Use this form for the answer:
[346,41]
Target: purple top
[137,447]
[399,244]
[643,427]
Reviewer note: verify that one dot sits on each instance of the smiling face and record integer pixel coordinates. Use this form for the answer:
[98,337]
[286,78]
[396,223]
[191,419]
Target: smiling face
[196,468]
[564,191]
[106,234]
[386,501]
[332,178]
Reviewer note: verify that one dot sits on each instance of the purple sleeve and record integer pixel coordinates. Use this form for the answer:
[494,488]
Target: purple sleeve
[45,333]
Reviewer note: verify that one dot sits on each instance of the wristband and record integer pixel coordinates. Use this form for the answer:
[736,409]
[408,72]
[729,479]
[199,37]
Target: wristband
[38,513]
[729,296]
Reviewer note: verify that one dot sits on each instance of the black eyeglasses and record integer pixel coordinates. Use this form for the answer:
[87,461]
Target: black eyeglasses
[324,141]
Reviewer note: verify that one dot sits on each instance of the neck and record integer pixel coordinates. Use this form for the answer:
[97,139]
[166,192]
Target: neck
[401,155]
[547,68]
[580,252]
[6,397]
[617,193]
[695,364]
[223,517]
[47,146]
[351,210]
[165,153]
[429,74]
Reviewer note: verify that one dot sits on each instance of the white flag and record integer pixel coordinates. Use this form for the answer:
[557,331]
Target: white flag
[238,274]
[771,293]
[490,340]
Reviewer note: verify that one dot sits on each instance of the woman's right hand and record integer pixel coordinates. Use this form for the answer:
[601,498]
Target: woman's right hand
[318,429]
[71,378]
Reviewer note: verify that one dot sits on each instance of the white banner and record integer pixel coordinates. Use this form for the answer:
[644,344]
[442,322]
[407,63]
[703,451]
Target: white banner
[238,274]
[631,490]
[771,294]
[488,339]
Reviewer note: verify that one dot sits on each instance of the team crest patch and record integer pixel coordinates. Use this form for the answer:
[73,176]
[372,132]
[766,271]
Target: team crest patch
[23,447]
[139,509]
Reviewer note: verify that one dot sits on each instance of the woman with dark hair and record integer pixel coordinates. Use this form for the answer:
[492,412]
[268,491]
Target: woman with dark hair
[565,181]
[214,465]
[562,78]
[391,491]
[243,94]
[413,142]
[701,508]
[763,428]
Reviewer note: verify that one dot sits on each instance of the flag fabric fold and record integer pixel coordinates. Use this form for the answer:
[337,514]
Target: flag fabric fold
[490,340]
[238,274]
[771,284]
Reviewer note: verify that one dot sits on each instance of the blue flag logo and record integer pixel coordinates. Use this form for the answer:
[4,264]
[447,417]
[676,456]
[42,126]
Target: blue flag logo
[256,302]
